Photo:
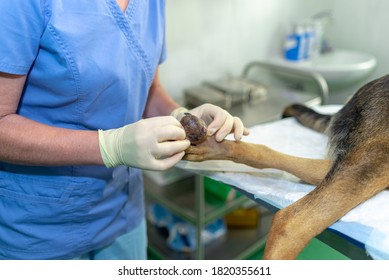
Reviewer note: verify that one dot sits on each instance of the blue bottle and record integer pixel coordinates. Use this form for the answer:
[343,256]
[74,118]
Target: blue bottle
[295,47]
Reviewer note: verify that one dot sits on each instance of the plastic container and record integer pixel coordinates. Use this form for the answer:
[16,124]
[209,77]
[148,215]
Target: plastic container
[242,218]
[219,190]
[295,46]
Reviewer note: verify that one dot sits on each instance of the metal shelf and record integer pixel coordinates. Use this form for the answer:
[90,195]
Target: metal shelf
[185,198]
[179,198]
[236,244]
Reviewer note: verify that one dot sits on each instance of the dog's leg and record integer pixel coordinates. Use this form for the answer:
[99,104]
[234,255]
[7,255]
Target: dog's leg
[311,171]
[362,175]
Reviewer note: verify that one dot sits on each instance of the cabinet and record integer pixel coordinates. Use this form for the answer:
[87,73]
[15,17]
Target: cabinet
[182,192]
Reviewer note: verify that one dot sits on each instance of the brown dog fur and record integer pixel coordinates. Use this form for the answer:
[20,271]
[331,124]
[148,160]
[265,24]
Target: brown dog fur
[356,170]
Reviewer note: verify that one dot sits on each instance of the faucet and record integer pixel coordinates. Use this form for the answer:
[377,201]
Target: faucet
[323,16]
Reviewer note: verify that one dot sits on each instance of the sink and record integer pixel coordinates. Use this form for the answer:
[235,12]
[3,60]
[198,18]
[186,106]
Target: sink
[339,67]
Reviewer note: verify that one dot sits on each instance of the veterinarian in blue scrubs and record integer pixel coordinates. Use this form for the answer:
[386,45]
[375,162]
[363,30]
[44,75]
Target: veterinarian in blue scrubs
[82,110]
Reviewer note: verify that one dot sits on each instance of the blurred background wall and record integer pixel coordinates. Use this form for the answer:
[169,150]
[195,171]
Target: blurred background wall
[209,39]
[361,25]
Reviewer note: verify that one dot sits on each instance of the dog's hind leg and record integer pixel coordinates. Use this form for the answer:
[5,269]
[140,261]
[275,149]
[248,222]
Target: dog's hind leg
[359,177]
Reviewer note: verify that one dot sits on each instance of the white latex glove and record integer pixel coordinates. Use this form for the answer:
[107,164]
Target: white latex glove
[155,144]
[218,121]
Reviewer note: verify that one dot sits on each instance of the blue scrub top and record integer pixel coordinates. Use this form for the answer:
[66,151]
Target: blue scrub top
[89,67]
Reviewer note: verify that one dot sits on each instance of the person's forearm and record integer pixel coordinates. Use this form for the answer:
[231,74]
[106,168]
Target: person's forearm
[23,141]
[159,102]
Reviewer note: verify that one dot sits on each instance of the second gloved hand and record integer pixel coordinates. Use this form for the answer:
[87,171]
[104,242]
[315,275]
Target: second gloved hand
[220,122]
[155,144]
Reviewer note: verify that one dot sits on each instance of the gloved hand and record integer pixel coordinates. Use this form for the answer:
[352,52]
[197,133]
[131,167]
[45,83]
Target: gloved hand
[155,144]
[218,121]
